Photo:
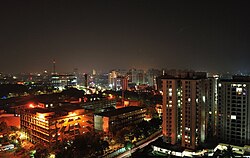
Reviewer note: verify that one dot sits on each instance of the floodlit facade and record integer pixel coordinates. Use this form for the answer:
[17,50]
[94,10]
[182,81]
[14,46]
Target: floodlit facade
[51,125]
[185,109]
[234,110]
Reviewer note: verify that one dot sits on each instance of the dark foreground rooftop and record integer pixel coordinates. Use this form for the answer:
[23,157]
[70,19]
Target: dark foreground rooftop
[120,111]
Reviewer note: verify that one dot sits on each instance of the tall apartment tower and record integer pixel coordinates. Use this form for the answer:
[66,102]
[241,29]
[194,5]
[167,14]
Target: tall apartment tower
[234,110]
[185,111]
[211,105]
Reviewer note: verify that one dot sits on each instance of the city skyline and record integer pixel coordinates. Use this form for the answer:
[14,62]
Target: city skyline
[123,34]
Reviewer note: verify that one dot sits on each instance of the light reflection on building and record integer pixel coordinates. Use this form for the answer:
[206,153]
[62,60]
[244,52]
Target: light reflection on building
[51,125]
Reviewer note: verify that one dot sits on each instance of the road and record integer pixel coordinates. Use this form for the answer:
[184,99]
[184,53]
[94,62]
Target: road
[129,152]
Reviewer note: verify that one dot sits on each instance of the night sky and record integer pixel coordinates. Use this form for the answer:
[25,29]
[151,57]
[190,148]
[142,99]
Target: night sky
[104,35]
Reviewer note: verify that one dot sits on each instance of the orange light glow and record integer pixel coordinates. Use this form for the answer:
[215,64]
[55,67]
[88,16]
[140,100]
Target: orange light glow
[31,106]
[111,96]
[72,114]
[126,103]
[41,116]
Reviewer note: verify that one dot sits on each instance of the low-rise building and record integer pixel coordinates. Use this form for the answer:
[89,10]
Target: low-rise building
[51,125]
[111,121]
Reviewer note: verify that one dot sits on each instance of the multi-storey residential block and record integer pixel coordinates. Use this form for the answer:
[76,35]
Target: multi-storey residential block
[234,110]
[185,109]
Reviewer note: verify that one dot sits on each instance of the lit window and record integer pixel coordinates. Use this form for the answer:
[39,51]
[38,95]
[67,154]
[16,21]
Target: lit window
[197,100]
[179,93]
[204,99]
[239,90]
[233,117]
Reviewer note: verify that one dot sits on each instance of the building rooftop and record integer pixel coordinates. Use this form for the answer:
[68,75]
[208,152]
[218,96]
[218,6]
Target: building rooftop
[237,79]
[176,74]
[188,76]
[55,112]
[120,111]
[39,110]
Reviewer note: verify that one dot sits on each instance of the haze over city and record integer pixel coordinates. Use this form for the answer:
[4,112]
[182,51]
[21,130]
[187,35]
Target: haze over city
[102,35]
[124,78]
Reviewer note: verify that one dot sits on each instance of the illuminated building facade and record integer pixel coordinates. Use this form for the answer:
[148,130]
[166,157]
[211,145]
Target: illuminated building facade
[233,110]
[51,125]
[211,105]
[121,83]
[118,81]
[112,79]
[185,112]
[114,120]
[151,77]
[61,81]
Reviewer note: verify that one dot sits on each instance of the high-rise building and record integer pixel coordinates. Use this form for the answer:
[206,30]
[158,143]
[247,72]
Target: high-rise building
[151,76]
[185,100]
[211,106]
[136,76]
[85,80]
[234,110]
[118,82]
[112,79]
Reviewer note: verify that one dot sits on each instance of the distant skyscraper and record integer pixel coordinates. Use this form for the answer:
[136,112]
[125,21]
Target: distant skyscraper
[117,82]
[54,67]
[112,79]
[151,76]
[137,76]
[94,72]
[185,97]
[85,80]
[234,110]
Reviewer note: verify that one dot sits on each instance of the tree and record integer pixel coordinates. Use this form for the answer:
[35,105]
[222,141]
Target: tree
[145,127]
[13,128]
[128,145]
[228,153]
[105,145]
[120,135]
[155,123]
[73,92]
[4,128]
[41,153]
